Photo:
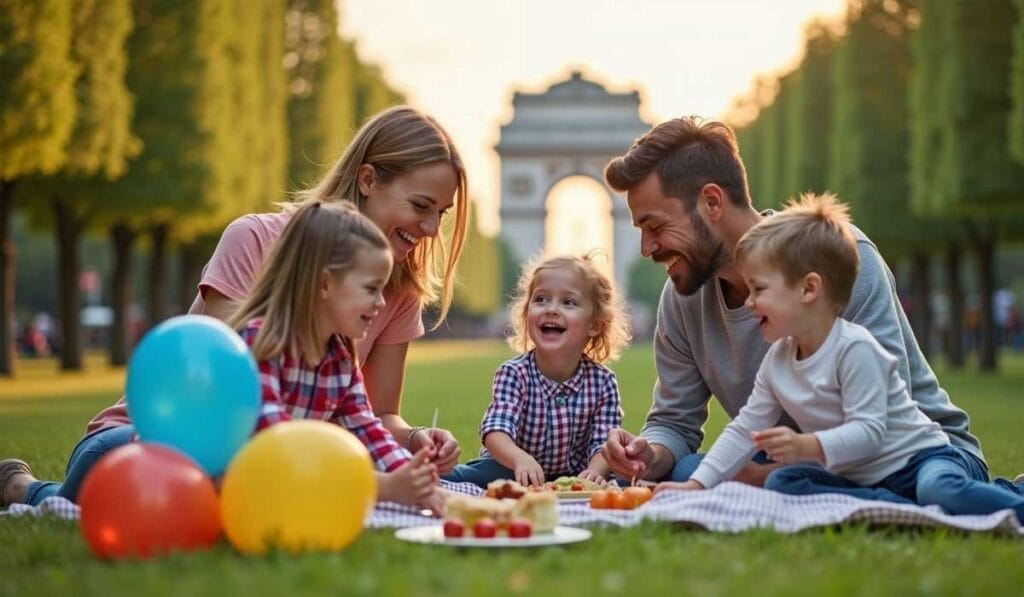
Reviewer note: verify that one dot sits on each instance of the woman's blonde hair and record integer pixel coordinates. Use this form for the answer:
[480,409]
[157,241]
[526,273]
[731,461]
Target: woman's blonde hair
[395,142]
[320,237]
[609,307]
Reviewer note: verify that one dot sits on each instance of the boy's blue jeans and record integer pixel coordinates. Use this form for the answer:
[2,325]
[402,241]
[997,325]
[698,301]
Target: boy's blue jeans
[89,449]
[946,476]
[688,464]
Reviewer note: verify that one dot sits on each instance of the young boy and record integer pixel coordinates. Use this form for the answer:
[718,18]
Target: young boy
[862,434]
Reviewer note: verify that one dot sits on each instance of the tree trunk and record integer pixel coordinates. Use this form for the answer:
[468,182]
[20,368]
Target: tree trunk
[191,270]
[68,230]
[156,304]
[954,343]
[122,240]
[920,294]
[8,258]
[985,248]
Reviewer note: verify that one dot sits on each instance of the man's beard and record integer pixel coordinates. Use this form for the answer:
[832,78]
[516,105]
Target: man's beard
[707,256]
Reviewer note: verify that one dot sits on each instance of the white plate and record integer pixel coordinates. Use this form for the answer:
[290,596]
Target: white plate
[434,534]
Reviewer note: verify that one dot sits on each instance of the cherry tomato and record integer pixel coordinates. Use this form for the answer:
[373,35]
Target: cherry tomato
[602,500]
[485,528]
[520,528]
[454,527]
[640,495]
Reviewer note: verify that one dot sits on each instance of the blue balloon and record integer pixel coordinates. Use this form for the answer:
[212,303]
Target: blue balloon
[193,385]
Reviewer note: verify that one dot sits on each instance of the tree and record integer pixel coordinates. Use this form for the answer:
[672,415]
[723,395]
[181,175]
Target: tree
[479,272]
[870,141]
[1017,88]
[321,89]
[965,139]
[180,69]
[373,93]
[99,148]
[809,116]
[37,115]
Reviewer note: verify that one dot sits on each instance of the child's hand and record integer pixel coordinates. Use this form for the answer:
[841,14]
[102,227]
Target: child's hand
[592,476]
[784,445]
[412,483]
[527,471]
[690,485]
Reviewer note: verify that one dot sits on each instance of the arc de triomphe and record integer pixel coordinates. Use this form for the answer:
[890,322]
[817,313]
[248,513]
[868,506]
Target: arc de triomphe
[572,129]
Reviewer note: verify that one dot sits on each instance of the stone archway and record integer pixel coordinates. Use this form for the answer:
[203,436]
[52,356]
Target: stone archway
[572,129]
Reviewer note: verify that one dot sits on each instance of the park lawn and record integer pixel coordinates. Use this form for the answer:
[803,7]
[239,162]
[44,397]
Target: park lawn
[48,557]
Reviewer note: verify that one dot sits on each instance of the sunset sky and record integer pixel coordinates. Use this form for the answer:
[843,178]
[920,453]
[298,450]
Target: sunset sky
[461,60]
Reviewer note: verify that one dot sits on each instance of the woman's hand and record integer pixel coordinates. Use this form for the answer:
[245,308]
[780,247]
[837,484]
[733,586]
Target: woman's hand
[443,446]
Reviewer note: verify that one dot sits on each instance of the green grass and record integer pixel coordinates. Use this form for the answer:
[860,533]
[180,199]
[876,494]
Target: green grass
[49,557]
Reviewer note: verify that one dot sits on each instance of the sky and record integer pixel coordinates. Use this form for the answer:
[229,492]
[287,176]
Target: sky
[461,60]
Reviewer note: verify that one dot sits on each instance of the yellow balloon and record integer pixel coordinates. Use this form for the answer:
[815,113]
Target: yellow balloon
[299,486]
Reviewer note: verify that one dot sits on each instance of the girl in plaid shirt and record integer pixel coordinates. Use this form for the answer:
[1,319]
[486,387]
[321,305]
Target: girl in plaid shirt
[318,292]
[554,404]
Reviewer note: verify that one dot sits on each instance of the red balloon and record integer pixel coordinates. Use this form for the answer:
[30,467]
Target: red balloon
[142,500]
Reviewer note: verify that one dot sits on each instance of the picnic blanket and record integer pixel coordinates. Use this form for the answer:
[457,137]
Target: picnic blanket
[728,508]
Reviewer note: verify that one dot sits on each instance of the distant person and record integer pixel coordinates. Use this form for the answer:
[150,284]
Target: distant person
[861,434]
[1003,302]
[686,188]
[554,404]
[942,320]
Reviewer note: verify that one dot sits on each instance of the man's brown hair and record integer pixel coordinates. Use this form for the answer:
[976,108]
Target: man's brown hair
[687,153]
[811,235]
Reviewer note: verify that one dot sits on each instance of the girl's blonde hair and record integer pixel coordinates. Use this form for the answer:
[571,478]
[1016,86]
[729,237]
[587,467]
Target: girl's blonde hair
[609,307]
[395,142]
[320,237]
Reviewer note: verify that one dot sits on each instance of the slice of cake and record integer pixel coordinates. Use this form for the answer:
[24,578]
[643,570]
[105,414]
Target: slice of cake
[540,508]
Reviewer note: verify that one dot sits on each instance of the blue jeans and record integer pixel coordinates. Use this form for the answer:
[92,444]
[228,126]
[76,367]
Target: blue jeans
[89,449]
[482,471]
[687,465]
[945,476]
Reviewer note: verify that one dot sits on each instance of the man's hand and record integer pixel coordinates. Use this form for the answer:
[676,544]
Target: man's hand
[527,471]
[443,446]
[690,485]
[784,445]
[628,455]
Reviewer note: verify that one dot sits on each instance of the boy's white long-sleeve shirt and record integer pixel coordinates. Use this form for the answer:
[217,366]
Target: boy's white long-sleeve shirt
[848,393]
